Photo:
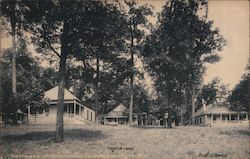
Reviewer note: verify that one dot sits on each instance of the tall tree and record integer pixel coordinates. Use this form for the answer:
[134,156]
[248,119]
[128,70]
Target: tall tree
[62,27]
[239,97]
[29,83]
[13,10]
[177,49]
[101,53]
[1,90]
[137,23]
[10,10]
[54,25]
[208,93]
[213,92]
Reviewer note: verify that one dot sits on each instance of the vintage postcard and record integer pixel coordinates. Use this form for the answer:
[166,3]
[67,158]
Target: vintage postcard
[124,79]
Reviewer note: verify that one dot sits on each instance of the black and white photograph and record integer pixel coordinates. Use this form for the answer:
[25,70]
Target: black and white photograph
[124,79]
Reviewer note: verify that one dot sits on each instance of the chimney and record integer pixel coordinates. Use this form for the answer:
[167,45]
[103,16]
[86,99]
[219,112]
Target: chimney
[203,105]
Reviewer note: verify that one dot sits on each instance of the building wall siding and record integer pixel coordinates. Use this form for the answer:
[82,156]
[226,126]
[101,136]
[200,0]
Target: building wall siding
[50,117]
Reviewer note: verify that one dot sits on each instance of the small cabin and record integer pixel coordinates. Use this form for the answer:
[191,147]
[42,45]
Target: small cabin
[74,109]
[218,114]
[119,116]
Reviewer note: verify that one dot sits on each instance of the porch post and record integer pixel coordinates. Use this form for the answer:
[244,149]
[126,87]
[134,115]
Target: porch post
[229,116]
[221,117]
[29,117]
[238,116]
[81,110]
[181,119]
[246,116]
[1,118]
[67,110]
[205,121]
[74,108]
[212,118]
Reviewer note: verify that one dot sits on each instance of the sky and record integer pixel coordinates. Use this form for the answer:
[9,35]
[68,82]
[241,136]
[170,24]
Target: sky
[232,19]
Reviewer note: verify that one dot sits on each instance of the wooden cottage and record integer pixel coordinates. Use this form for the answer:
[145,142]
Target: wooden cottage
[119,115]
[215,114]
[74,109]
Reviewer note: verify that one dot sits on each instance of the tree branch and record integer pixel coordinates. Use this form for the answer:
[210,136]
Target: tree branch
[49,44]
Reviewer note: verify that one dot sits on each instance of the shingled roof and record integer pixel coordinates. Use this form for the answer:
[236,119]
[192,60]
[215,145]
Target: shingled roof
[119,110]
[214,109]
[52,94]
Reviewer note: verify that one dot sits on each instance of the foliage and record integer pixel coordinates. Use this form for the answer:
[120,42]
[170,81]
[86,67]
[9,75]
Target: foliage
[30,86]
[213,93]
[177,49]
[12,11]
[142,101]
[85,30]
[239,97]
[137,23]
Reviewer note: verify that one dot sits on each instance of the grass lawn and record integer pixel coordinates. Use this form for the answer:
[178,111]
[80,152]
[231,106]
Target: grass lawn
[98,141]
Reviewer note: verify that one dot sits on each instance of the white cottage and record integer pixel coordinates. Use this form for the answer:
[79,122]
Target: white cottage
[119,115]
[216,114]
[74,109]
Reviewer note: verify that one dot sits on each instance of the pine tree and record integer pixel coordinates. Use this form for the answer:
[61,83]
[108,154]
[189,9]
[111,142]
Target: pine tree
[177,49]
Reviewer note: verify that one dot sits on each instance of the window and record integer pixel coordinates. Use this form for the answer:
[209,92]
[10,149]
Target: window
[77,109]
[47,110]
[214,117]
[223,117]
[234,117]
[82,109]
[87,114]
[71,110]
[65,108]
[242,116]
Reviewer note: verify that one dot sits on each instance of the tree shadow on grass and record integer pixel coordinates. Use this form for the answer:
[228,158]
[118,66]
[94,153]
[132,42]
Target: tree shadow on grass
[153,127]
[236,132]
[73,134]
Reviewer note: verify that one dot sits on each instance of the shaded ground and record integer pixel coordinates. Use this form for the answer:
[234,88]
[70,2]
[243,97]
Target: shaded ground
[97,141]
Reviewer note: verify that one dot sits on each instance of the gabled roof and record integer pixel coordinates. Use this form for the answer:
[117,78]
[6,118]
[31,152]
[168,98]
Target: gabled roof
[214,109]
[52,94]
[119,110]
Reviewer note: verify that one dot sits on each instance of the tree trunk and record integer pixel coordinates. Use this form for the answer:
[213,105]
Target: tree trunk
[181,118]
[1,91]
[180,106]
[169,105]
[170,118]
[193,105]
[96,87]
[60,102]
[14,90]
[61,83]
[13,36]
[131,103]
[35,116]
